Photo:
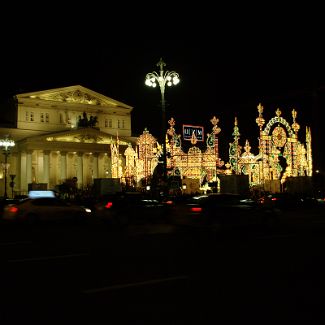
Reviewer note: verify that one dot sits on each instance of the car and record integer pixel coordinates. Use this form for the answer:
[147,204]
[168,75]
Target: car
[36,209]
[283,202]
[126,208]
[6,201]
[222,210]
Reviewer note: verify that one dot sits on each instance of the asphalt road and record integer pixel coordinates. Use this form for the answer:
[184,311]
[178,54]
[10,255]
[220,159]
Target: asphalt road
[162,274]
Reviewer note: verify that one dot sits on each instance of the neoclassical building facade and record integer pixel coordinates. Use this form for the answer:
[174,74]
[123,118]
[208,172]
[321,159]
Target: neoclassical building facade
[64,133]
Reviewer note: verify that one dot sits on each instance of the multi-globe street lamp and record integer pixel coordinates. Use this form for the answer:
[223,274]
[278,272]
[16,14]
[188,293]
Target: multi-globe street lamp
[162,78]
[6,145]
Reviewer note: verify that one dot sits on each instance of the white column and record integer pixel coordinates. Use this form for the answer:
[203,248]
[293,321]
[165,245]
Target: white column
[95,165]
[80,169]
[46,166]
[18,173]
[22,173]
[63,170]
[19,179]
[29,167]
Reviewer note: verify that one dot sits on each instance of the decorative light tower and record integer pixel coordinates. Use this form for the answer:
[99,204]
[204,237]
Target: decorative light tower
[6,145]
[260,121]
[215,131]
[235,148]
[162,78]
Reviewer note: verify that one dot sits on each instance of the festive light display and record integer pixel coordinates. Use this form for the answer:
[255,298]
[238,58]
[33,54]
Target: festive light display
[280,154]
[147,155]
[195,163]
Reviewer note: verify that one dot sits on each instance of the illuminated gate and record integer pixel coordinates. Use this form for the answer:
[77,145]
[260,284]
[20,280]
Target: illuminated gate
[280,155]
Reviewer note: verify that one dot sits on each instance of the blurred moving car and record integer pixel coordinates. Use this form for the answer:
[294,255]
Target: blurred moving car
[222,210]
[130,207]
[33,210]
[6,201]
[282,202]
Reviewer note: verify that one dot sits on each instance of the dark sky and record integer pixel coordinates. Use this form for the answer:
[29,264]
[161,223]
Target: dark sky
[225,74]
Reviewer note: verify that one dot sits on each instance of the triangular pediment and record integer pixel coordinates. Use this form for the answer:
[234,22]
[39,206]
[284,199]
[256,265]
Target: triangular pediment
[74,94]
[81,135]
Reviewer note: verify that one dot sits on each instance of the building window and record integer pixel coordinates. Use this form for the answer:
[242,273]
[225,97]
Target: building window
[123,125]
[42,117]
[27,117]
[106,123]
[47,117]
[118,124]
[110,123]
[31,116]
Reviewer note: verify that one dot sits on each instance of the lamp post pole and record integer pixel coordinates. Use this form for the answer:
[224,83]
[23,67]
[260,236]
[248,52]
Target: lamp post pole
[6,145]
[163,128]
[6,170]
[164,77]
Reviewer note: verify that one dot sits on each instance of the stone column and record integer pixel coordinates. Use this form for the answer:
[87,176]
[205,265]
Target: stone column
[46,166]
[29,167]
[17,180]
[95,165]
[80,169]
[63,166]
[22,173]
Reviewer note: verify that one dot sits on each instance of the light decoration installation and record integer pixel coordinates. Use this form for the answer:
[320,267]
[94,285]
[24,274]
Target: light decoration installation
[235,149]
[228,170]
[248,165]
[243,163]
[213,144]
[195,163]
[173,145]
[130,165]
[147,155]
[116,165]
[260,122]
[309,156]
[280,154]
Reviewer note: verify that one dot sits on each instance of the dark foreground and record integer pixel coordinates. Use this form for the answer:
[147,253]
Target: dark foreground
[162,274]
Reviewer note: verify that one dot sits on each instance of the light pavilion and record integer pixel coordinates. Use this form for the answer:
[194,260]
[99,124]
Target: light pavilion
[280,154]
[278,140]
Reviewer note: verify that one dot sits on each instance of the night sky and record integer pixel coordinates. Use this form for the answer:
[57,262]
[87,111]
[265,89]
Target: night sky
[221,75]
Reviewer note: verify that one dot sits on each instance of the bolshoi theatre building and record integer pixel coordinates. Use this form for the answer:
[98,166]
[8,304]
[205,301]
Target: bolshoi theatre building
[53,140]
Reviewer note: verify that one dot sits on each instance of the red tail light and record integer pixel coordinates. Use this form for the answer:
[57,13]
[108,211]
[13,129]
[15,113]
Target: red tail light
[196,209]
[13,209]
[274,199]
[108,205]
[169,202]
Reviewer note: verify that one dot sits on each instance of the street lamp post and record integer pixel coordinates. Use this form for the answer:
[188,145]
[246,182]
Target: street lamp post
[163,78]
[6,145]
